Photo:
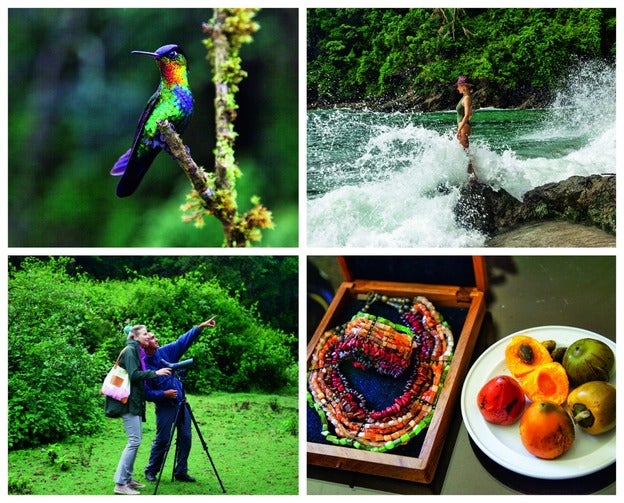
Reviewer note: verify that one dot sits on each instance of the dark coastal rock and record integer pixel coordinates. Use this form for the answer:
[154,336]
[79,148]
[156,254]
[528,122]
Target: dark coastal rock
[484,209]
[588,200]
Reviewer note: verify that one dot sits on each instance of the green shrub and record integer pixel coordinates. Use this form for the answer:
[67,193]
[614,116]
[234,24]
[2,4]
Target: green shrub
[52,378]
[290,425]
[17,485]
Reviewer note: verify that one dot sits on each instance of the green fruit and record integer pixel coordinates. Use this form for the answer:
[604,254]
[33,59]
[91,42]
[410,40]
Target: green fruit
[592,405]
[588,360]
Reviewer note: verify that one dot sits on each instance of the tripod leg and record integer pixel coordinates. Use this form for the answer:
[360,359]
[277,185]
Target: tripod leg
[174,425]
[204,445]
[181,435]
[176,456]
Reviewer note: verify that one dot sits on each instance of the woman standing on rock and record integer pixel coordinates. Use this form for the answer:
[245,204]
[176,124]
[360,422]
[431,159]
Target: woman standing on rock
[464,113]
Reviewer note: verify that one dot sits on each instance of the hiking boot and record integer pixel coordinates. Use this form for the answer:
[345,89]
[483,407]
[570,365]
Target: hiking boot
[150,477]
[184,477]
[125,489]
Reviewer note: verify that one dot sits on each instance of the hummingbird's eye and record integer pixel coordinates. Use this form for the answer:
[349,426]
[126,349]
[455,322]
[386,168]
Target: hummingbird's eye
[173,54]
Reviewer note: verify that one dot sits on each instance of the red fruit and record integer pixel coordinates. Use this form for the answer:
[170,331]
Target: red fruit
[501,400]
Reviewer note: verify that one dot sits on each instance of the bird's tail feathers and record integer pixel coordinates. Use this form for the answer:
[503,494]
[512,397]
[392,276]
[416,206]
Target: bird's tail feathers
[134,172]
[122,163]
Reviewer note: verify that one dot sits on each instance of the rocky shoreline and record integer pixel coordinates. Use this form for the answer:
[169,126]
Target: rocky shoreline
[585,201]
[446,99]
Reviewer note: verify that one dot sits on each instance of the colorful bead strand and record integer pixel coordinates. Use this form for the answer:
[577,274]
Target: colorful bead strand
[423,346]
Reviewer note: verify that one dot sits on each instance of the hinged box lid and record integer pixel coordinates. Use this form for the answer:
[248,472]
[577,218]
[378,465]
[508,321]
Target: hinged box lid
[463,271]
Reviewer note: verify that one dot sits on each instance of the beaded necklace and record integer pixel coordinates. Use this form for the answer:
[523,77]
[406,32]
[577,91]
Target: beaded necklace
[421,348]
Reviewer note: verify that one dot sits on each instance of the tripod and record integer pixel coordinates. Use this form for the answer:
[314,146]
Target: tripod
[185,408]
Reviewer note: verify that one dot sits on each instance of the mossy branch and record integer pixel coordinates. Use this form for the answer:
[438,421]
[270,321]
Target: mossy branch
[215,193]
[208,199]
[182,155]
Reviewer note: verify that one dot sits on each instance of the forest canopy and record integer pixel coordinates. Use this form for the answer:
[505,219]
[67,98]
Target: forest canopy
[416,55]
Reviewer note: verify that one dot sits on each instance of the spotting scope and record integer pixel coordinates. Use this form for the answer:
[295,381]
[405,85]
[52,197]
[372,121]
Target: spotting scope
[178,365]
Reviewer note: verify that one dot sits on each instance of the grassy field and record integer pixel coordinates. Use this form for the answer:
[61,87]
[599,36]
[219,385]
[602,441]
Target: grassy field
[252,440]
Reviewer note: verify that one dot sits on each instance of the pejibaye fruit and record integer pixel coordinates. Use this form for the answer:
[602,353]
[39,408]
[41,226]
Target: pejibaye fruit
[524,354]
[548,382]
[501,400]
[588,360]
[592,405]
[546,430]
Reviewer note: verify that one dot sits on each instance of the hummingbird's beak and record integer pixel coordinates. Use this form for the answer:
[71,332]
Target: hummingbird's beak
[150,54]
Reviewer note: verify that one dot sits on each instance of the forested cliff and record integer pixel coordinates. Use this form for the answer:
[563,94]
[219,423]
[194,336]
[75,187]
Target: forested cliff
[409,59]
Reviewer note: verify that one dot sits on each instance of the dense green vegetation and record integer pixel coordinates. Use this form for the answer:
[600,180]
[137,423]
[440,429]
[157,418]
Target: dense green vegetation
[65,327]
[76,94]
[510,54]
[264,282]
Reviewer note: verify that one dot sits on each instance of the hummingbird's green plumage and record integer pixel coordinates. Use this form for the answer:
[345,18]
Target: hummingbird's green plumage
[172,101]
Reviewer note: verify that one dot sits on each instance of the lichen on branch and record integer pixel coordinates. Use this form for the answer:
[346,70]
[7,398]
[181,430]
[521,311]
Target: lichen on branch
[215,193]
[228,30]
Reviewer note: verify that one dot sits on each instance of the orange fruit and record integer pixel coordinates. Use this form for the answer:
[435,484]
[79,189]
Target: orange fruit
[547,383]
[546,430]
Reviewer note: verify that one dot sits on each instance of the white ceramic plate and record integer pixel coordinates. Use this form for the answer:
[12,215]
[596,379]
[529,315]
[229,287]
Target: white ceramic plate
[502,444]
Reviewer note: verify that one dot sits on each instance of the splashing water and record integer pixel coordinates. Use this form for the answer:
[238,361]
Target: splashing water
[375,179]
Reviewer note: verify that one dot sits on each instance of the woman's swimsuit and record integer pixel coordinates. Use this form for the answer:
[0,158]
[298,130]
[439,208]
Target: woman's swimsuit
[460,111]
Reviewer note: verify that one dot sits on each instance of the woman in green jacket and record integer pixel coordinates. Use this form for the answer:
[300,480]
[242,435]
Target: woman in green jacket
[133,411]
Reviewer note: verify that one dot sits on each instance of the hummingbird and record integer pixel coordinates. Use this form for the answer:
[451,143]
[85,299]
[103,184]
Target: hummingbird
[172,101]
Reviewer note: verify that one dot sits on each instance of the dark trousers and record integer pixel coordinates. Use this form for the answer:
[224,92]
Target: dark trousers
[165,415]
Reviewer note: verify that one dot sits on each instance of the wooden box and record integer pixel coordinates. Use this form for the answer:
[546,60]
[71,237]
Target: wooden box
[456,287]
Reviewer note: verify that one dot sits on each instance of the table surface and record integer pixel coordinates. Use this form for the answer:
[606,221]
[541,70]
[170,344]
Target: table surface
[524,292]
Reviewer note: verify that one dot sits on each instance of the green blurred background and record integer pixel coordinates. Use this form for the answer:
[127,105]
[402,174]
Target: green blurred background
[76,94]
